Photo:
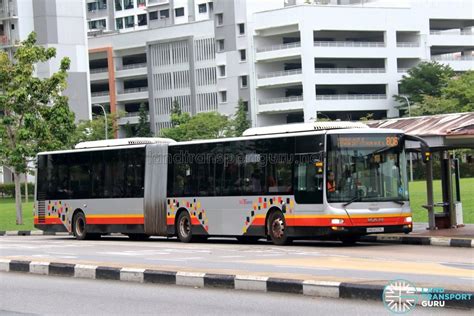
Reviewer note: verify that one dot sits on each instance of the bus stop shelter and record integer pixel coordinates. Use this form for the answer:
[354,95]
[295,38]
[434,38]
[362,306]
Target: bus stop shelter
[443,133]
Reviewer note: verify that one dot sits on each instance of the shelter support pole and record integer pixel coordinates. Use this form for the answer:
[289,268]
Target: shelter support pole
[429,191]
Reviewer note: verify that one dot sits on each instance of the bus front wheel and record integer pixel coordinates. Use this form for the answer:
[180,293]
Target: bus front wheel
[276,228]
[79,226]
[184,227]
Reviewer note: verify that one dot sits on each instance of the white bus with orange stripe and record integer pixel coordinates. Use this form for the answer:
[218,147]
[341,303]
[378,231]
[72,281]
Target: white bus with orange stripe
[326,180]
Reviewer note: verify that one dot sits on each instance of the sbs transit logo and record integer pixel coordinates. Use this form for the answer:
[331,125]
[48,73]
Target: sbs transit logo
[399,296]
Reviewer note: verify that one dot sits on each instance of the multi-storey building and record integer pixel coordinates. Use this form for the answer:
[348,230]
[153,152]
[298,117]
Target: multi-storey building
[58,24]
[289,61]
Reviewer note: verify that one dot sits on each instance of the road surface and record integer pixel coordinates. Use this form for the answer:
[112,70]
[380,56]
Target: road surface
[422,265]
[26,294]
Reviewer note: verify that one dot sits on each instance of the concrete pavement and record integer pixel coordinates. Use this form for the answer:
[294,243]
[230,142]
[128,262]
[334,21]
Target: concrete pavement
[32,294]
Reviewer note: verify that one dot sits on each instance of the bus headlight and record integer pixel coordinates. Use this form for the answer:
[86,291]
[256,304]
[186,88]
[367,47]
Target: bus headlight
[337,221]
[408,219]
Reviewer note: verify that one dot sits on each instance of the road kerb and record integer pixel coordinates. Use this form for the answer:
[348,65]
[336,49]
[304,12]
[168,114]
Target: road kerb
[321,288]
[132,275]
[251,283]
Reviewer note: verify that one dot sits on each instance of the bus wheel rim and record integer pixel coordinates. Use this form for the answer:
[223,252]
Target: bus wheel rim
[278,228]
[185,227]
[80,225]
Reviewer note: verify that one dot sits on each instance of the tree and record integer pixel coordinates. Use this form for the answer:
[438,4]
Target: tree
[177,116]
[36,114]
[207,125]
[426,78]
[240,122]
[461,89]
[457,96]
[90,130]
[143,126]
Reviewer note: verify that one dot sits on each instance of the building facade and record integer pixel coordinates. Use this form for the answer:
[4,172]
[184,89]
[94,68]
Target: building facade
[289,61]
[58,24]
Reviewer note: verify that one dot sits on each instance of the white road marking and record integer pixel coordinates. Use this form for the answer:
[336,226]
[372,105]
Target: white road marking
[304,268]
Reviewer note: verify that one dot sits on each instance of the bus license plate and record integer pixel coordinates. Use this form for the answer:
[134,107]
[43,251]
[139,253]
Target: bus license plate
[375,230]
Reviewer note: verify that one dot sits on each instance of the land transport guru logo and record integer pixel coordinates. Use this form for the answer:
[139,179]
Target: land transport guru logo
[402,296]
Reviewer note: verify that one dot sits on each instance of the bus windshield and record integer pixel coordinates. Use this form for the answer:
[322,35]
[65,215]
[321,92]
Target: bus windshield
[366,167]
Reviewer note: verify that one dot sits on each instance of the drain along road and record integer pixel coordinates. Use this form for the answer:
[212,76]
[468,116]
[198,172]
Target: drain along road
[365,262]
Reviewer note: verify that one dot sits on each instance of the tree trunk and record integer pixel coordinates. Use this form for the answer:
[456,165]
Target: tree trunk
[26,187]
[19,211]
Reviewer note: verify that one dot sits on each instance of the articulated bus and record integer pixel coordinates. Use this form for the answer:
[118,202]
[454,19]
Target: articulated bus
[325,180]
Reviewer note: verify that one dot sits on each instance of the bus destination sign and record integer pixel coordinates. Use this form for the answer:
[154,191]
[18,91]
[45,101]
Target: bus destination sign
[368,141]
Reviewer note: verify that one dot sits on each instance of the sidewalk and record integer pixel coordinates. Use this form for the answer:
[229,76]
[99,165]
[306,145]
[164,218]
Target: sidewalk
[453,237]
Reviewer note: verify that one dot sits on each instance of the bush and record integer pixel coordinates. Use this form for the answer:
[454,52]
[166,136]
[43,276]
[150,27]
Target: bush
[8,189]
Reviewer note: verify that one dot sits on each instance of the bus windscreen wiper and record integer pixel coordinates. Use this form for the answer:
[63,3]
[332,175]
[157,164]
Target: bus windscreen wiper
[354,199]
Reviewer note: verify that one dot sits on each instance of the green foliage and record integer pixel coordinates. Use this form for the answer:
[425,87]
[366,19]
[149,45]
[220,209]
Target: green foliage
[143,126]
[36,116]
[130,130]
[207,125]
[427,78]
[240,122]
[177,116]
[8,189]
[95,128]
[457,96]
[367,117]
[461,89]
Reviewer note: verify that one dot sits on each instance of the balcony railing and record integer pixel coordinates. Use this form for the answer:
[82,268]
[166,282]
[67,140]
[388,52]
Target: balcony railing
[151,2]
[348,44]
[132,114]
[351,96]
[132,66]
[408,44]
[452,57]
[278,47]
[280,73]
[349,70]
[134,90]
[98,70]
[100,93]
[402,70]
[452,32]
[281,100]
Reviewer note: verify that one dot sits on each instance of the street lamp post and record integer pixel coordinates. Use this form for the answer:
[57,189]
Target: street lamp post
[105,118]
[411,154]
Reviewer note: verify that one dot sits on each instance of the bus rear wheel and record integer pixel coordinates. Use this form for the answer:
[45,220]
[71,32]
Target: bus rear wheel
[276,228]
[184,227]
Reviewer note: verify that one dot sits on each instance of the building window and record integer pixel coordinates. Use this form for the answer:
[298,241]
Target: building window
[211,7]
[119,23]
[220,45]
[165,14]
[178,12]
[219,19]
[221,71]
[243,54]
[202,8]
[118,5]
[92,6]
[97,25]
[142,19]
[153,15]
[246,105]
[129,21]
[141,3]
[102,4]
[244,81]
[128,4]
[223,96]
[241,27]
